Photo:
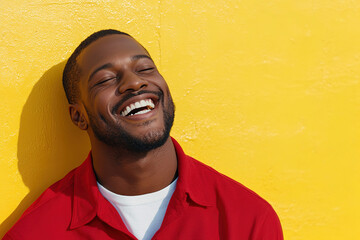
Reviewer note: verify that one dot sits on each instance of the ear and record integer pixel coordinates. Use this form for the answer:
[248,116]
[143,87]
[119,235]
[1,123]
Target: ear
[77,116]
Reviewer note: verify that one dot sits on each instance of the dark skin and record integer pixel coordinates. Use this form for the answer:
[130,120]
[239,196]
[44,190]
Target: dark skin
[110,68]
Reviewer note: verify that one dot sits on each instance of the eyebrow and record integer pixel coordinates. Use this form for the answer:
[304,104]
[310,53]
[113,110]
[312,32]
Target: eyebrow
[110,65]
[136,57]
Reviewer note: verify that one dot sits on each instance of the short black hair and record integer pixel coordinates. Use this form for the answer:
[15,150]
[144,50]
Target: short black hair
[71,71]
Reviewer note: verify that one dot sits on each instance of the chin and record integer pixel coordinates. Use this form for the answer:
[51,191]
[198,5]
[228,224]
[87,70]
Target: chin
[149,141]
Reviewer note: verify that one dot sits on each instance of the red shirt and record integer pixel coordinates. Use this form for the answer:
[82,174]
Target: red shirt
[205,205]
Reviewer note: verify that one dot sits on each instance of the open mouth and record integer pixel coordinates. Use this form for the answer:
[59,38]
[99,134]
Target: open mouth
[139,107]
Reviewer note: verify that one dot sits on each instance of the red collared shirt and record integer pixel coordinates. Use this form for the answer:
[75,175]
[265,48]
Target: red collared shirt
[205,205]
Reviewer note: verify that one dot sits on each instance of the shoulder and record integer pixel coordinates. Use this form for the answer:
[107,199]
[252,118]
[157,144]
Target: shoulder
[54,204]
[227,192]
[57,192]
[236,204]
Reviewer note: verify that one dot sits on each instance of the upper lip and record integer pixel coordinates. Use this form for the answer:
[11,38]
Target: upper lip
[132,98]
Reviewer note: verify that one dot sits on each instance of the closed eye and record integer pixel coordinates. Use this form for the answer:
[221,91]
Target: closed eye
[146,69]
[104,81]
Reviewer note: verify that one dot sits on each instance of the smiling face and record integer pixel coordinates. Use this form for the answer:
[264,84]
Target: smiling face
[124,99]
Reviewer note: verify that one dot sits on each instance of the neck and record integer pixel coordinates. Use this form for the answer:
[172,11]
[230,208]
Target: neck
[128,173]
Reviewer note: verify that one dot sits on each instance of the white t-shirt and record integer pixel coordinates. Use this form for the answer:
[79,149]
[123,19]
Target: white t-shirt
[142,214]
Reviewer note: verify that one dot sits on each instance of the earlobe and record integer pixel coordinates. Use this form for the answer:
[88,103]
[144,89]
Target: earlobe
[77,117]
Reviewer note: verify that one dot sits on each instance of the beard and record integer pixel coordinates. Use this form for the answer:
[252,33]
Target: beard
[115,135]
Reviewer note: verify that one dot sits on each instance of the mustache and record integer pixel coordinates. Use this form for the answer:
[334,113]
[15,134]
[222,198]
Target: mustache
[130,95]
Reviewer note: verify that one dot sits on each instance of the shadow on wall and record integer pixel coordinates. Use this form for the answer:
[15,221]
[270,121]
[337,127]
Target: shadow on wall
[49,145]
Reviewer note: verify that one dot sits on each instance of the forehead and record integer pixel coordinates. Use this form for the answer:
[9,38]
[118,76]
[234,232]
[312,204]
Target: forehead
[116,47]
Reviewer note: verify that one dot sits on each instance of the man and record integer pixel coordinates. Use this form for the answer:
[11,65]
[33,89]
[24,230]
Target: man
[136,183]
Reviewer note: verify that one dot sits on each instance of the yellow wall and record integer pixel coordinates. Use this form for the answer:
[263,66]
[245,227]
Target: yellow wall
[266,92]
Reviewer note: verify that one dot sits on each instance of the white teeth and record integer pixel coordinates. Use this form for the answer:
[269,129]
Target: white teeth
[132,106]
[152,105]
[139,104]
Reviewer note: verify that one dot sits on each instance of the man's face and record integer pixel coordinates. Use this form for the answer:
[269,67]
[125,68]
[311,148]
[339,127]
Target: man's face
[127,101]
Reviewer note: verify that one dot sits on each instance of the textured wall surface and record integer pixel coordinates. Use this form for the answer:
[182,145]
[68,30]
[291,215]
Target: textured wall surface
[267,92]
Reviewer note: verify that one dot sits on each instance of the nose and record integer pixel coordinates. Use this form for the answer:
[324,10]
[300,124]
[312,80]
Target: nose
[131,82]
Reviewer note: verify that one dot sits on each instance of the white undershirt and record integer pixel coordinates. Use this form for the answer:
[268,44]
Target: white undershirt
[142,214]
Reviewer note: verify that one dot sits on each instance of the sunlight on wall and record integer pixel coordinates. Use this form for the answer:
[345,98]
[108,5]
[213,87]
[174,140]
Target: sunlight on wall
[266,92]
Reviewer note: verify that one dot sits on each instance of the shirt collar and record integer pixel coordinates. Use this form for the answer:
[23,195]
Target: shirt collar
[88,201]
[192,181]
[84,198]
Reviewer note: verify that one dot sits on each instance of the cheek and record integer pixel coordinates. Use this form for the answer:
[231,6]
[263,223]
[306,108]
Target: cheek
[102,100]
[163,85]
